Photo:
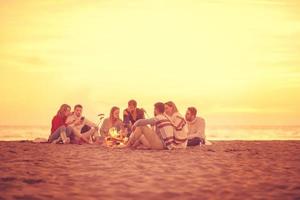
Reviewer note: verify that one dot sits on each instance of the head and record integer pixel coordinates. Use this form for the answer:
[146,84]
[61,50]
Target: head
[190,114]
[78,110]
[114,113]
[159,108]
[170,108]
[64,110]
[132,105]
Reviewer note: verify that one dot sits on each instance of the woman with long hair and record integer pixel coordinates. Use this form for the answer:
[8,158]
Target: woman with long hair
[113,121]
[59,131]
[179,124]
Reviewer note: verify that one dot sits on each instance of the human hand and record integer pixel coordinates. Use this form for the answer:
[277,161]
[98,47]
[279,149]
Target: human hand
[78,122]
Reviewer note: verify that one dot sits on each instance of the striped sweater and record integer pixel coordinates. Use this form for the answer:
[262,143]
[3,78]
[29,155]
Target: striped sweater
[166,130]
[180,130]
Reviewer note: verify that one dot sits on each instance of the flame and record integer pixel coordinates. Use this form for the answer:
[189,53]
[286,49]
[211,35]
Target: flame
[114,133]
[114,138]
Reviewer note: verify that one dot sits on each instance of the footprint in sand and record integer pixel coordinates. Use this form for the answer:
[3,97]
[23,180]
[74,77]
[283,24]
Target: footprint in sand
[8,179]
[33,181]
[26,197]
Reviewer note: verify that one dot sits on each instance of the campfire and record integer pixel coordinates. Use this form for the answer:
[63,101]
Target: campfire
[115,138]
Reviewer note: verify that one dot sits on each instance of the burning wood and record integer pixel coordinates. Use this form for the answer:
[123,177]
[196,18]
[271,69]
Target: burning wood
[115,138]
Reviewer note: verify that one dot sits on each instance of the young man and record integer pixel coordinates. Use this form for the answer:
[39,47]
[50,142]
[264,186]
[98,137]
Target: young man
[161,138]
[132,114]
[79,125]
[196,127]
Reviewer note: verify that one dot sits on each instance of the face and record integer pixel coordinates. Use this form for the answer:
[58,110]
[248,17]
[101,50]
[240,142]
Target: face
[68,112]
[131,108]
[78,111]
[189,116]
[168,110]
[116,114]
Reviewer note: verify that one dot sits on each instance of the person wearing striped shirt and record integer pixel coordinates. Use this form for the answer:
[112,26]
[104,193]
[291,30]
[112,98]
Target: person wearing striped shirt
[158,138]
[179,124]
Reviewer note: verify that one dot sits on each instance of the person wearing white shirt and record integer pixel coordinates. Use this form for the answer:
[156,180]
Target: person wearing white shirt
[196,127]
[83,129]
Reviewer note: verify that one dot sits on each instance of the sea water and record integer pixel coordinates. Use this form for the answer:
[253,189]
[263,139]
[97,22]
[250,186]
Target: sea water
[8,133]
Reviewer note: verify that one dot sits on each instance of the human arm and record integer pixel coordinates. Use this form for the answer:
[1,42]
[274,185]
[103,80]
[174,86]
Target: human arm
[104,128]
[89,123]
[70,120]
[143,122]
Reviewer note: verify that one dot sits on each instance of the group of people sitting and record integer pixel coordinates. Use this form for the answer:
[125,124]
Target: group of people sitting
[168,129]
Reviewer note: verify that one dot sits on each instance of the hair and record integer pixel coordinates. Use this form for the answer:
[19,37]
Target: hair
[132,102]
[77,106]
[63,108]
[160,107]
[111,115]
[193,110]
[172,105]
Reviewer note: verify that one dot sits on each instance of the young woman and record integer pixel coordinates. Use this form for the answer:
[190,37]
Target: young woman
[59,130]
[179,124]
[113,121]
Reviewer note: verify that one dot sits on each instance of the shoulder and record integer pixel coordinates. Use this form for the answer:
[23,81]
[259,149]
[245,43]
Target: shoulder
[119,121]
[55,118]
[160,117]
[200,120]
[58,117]
[70,117]
[125,112]
[105,121]
[140,110]
[177,116]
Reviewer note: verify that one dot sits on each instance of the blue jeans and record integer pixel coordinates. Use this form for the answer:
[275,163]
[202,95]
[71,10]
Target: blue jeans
[56,134]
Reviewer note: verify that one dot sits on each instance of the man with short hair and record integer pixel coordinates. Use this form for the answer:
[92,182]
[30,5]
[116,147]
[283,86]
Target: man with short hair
[83,129]
[162,137]
[196,127]
[132,114]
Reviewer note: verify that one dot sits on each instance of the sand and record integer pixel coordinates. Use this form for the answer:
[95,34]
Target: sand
[225,170]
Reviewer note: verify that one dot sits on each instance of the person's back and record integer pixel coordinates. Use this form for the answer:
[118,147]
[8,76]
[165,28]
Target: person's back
[180,130]
[164,129]
[178,123]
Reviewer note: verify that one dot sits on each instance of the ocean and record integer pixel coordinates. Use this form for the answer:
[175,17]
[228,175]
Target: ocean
[10,133]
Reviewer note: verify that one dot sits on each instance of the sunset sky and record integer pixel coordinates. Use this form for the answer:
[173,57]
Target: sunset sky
[238,62]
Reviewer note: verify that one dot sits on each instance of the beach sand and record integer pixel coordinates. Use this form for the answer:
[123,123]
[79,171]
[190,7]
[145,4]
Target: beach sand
[225,170]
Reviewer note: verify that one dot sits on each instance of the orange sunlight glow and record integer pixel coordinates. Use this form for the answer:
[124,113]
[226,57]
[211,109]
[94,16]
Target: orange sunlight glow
[236,61]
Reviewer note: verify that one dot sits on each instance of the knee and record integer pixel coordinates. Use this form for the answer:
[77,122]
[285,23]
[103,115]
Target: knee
[69,131]
[138,129]
[143,128]
[62,128]
[69,128]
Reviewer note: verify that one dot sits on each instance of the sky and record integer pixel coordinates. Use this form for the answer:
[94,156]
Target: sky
[236,61]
